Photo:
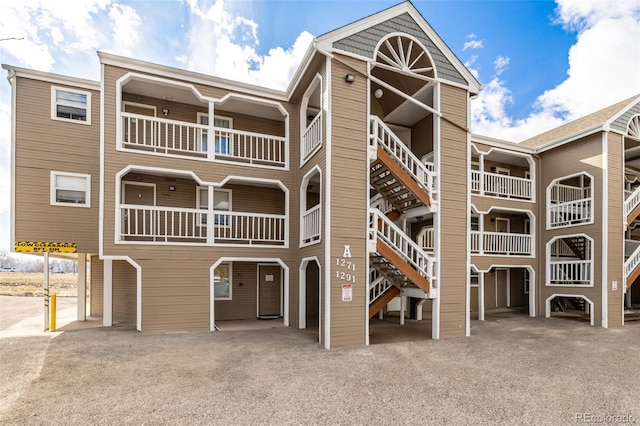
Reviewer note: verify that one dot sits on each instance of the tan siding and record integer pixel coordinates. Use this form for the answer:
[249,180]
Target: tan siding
[97,286]
[582,155]
[244,294]
[453,210]
[124,292]
[349,165]
[43,145]
[615,230]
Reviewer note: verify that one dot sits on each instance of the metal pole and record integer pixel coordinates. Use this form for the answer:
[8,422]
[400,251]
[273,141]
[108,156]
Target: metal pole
[45,286]
[52,326]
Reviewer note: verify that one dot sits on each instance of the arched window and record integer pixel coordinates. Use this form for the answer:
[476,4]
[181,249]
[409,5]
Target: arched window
[570,201]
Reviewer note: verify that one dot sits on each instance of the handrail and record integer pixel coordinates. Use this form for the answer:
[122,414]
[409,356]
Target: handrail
[495,184]
[312,136]
[381,135]
[631,202]
[488,242]
[632,262]
[425,238]
[311,224]
[382,227]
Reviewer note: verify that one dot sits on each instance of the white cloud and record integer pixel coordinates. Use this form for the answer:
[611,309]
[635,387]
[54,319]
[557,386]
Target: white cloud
[125,23]
[224,43]
[472,44]
[604,68]
[501,63]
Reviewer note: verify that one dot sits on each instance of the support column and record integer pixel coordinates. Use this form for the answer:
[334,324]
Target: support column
[82,287]
[403,308]
[45,286]
[107,301]
[481,296]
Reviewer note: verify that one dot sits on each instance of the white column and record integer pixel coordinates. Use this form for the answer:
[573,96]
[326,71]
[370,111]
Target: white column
[381,314]
[210,217]
[419,309]
[107,302]
[403,308]
[481,296]
[509,288]
[210,134]
[628,297]
[82,287]
[45,286]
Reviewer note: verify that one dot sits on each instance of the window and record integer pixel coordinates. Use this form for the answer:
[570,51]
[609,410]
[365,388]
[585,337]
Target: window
[475,223]
[221,202]
[70,105]
[223,139]
[222,282]
[70,189]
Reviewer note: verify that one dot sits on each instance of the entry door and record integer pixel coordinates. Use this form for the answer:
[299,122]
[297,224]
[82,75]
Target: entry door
[269,290]
[139,222]
[503,225]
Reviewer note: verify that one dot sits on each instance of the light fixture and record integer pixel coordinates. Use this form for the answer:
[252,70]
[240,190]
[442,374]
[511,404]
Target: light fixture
[172,188]
[349,78]
[165,111]
[378,93]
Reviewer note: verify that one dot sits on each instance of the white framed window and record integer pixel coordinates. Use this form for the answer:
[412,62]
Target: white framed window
[222,282]
[221,203]
[223,140]
[70,105]
[70,189]
[311,120]
[570,201]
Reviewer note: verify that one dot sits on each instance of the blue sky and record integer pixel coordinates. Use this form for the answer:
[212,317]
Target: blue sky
[541,62]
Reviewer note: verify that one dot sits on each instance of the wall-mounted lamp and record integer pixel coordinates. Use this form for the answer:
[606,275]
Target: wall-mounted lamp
[165,111]
[493,219]
[378,93]
[172,188]
[349,78]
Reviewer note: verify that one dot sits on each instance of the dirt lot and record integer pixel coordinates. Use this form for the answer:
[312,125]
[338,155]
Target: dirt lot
[513,370]
[30,284]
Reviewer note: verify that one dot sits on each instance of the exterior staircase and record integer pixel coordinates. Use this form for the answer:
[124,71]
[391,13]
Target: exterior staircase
[632,206]
[401,182]
[577,246]
[632,264]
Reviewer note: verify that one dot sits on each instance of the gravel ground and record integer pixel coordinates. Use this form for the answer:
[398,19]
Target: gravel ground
[513,370]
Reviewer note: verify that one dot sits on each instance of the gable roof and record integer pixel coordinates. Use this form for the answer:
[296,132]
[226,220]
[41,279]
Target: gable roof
[361,37]
[594,122]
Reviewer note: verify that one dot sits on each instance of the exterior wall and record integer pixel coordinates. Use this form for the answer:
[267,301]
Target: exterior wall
[349,197]
[244,293]
[44,145]
[453,211]
[584,155]
[97,287]
[615,229]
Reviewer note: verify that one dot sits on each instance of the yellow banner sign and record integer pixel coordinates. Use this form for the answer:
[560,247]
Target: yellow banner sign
[42,247]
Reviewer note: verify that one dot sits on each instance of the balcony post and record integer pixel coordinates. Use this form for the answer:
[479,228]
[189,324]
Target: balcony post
[210,141]
[210,218]
[481,229]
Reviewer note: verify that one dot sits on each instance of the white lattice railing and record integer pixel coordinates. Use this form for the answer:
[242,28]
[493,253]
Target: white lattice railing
[570,212]
[171,137]
[497,185]
[170,224]
[632,253]
[249,228]
[501,243]
[631,201]
[311,225]
[381,135]
[381,203]
[378,285]
[162,224]
[425,238]
[382,227]
[570,272]
[312,137]
[561,193]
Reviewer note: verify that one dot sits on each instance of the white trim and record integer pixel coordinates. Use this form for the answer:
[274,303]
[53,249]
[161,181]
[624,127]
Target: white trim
[591,196]
[102,155]
[547,261]
[326,330]
[605,228]
[303,203]
[52,78]
[285,280]
[315,83]
[138,285]
[532,285]
[302,291]
[54,104]
[408,72]
[467,300]
[81,300]
[12,77]
[107,296]
[367,252]
[53,199]
[435,305]
[547,305]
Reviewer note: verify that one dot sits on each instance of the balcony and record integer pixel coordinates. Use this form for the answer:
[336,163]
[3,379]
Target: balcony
[570,201]
[190,140]
[501,243]
[498,185]
[311,225]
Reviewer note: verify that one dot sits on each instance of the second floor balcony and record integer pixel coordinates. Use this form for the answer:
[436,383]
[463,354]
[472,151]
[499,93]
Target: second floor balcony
[502,233]
[502,174]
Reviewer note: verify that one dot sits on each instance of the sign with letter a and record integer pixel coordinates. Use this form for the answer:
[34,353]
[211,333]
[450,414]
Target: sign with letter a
[347,251]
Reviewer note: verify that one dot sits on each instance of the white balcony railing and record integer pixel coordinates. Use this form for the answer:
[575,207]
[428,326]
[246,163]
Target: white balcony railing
[497,185]
[311,225]
[561,193]
[312,137]
[178,138]
[632,255]
[178,225]
[501,243]
[632,200]
[570,272]
[425,238]
[570,213]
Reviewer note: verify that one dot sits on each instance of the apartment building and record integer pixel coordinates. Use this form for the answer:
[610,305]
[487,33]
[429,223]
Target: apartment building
[199,200]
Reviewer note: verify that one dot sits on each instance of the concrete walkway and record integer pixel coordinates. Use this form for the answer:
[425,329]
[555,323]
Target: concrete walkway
[513,370]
